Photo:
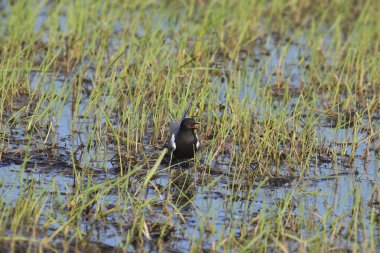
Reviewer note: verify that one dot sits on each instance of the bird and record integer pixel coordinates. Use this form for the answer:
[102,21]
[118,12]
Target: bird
[183,141]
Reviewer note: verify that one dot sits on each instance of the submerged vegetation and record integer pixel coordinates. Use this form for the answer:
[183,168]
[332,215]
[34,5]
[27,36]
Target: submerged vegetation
[287,93]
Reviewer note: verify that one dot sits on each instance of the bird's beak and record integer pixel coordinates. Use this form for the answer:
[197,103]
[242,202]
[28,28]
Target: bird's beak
[194,125]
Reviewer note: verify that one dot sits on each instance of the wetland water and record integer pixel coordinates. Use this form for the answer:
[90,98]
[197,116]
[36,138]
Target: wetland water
[78,160]
[329,187]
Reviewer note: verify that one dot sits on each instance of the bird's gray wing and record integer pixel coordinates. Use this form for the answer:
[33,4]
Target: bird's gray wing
[184,114]
[174,129]
[174,125]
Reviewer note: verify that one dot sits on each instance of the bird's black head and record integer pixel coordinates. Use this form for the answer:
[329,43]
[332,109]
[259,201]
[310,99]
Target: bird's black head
[188,124]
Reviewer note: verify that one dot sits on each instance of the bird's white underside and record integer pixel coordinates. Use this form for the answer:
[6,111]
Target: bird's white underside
[198,144]
[172,142]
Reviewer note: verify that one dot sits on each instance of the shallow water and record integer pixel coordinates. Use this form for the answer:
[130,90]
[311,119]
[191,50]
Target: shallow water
[327,191]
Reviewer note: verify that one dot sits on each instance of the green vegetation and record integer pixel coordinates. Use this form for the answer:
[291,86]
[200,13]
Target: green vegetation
[287,93]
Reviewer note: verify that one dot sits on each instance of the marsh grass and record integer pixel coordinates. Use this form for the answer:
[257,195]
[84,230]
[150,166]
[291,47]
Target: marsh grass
[288,97]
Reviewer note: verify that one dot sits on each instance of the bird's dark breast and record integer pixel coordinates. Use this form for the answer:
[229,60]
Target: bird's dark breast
[185,145]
